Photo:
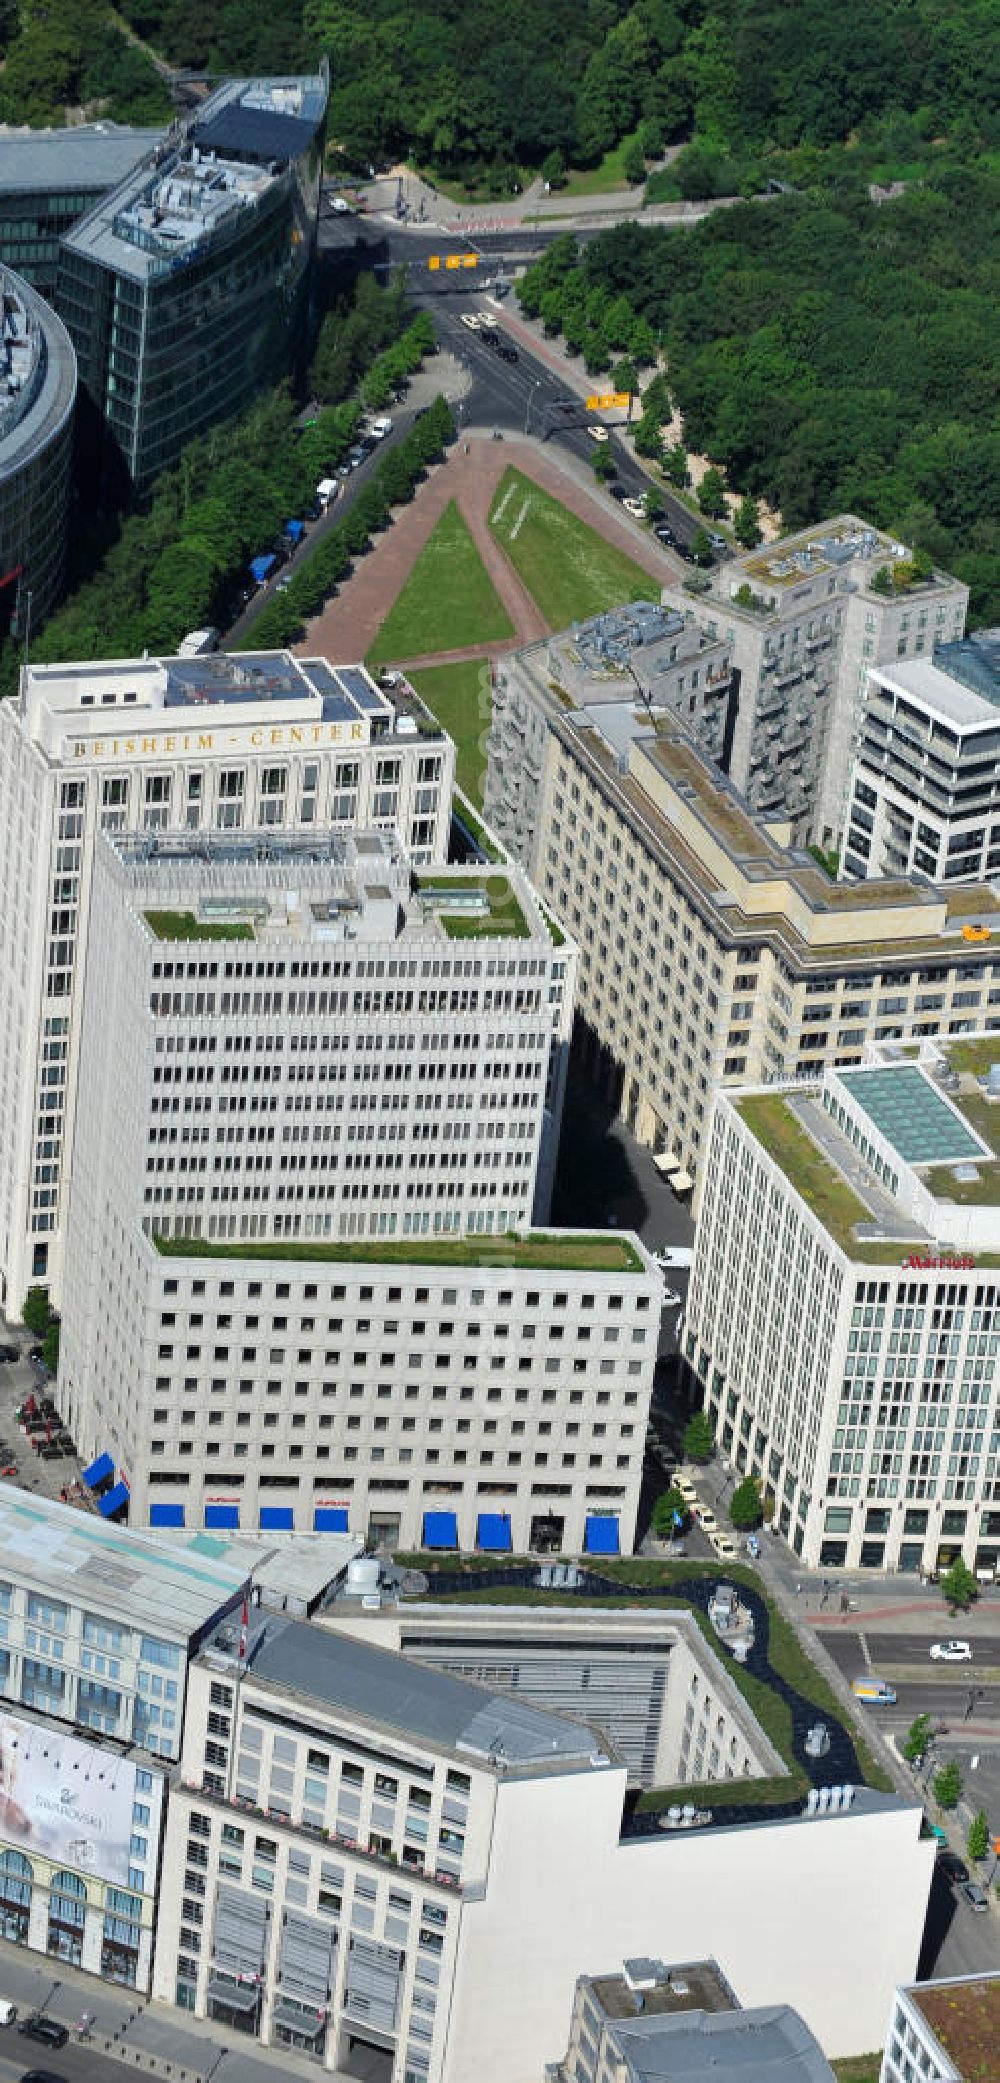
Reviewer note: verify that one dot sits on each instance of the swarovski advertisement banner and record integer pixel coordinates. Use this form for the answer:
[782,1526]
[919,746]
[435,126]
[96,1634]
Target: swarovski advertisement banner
[65,1800]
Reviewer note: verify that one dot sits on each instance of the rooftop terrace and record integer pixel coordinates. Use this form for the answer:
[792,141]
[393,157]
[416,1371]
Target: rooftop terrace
[964,2016]
[698,1986]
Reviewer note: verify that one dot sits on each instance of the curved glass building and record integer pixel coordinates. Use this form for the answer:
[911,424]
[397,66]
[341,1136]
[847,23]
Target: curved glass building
[186,289]
[37,400]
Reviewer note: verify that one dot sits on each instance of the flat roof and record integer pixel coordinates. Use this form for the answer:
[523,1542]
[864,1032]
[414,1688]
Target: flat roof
[151,1583]
[959,685]
[903,1103]
[89,156]
[419,1702]
[555,1251]
[698,1985]
[771,2044]
[299,1565]
[964,2016]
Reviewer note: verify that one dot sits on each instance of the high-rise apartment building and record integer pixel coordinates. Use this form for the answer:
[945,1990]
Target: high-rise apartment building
[711,952]
[317,1116]
[153,746]
[49,178]
[843,1314]
[925,786]
[803,619]
[186,288]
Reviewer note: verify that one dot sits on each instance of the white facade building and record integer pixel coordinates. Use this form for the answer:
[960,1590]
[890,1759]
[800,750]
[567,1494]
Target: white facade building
[98,1629]
[302,1289]
[162,745]
[843,1313]
[366,1857]
[925,788]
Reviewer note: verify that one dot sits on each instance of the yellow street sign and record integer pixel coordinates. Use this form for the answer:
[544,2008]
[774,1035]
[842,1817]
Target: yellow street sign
[623,400]
[453,260]
[434,260]
[470,260]
[608,401]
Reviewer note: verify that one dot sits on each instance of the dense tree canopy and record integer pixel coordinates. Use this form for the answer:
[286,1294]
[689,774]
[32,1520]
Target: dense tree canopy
[827,353]
[505,83]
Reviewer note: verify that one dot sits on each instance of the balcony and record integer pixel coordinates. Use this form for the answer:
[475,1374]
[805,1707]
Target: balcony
[312,1834]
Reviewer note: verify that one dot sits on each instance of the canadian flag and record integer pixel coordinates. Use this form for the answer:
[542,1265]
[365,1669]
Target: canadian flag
[244,1624]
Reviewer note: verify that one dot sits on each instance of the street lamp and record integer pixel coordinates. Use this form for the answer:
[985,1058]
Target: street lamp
[528,403]
[217,2064]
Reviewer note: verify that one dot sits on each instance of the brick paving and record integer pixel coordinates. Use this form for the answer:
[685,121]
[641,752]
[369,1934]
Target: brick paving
[348,624]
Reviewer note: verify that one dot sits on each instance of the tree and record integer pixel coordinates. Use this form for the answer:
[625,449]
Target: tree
[917,1739]
[745,1508]
[634,163]
[625,376]
[746,523]
[602,463]
[700,547]
[947,1785]
[698,1443]
[675,463]
[977,1843]
[50,1347]
[648,439]
[712,494]
[36,1312]
[553,170]
[652,503]
[959,1587]
[665,1523]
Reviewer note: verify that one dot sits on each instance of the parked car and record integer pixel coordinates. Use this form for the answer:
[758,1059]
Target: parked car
[635,507]
[47,2031]
[706,1518]
[9,1352]
[508,354]
[724,1547]
[665,534]
[618,492]
[951,1652]
[471,319]
[717,541]
[284,582]
[953,1868]
[687,1489]
[342,207]
[973,1896]
[670,1298]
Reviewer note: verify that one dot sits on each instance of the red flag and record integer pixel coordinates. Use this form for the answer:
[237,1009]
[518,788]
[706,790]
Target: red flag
[244,1624]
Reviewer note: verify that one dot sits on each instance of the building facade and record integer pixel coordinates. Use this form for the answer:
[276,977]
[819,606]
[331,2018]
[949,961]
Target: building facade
[186,289]
[157,746]
[710,952]
[98,1633]
[925,786]
[803,619]
[649,2021]
[49,178]
[365,1858]
[843,1315]
[37,406]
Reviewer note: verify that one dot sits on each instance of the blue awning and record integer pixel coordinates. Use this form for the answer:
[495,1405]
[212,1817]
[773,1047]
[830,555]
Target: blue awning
[277,1515]
[295,530]
[330,1518]
[494,1531]
[99,1470]
[113,1500]
[602,1535]
[440,1530]
[166,1515]
[261,566]
[222,1515]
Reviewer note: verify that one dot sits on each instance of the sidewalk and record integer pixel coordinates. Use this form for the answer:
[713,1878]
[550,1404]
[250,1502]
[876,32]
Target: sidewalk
[153,2039]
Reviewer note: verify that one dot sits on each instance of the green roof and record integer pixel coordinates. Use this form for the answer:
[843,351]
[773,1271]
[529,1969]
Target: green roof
[904,1105]
[186,925]
[543,1252]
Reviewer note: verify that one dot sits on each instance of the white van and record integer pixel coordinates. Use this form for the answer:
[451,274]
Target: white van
[8,2011]
[380,428]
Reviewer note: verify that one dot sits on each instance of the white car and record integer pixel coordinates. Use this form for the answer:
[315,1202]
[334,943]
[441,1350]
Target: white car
[686,1487]
[598,433]
[472,319]
[706,1518]
[342,207]
[951,1652]
[670,1298]
[723,1546]
[635,507]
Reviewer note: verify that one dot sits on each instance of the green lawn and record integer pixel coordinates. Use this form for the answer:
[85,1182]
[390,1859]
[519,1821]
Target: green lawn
[602,179]
[184,925]
[544,1251]
[448,601]
[459,696]
[570,571]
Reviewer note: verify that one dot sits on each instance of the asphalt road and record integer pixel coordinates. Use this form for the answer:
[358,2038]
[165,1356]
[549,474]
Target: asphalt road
[18,2057]
[911,1648]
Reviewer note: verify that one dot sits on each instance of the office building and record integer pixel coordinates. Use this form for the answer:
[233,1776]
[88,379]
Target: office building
[668,1707]
[371,1860]
[154,745]
[710,951]
[843,1311]
[98,1631]
[803,619]
[37,404]
[49,178]
[925,786]
[299,1079]
[649,2022]
[943,2032]
[186,288]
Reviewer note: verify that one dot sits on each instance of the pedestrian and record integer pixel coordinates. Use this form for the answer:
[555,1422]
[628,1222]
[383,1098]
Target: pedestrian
[798,1588]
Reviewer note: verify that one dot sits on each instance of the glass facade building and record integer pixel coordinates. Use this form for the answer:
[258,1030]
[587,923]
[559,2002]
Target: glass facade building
[37,401]
[49,178]
[187,290]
